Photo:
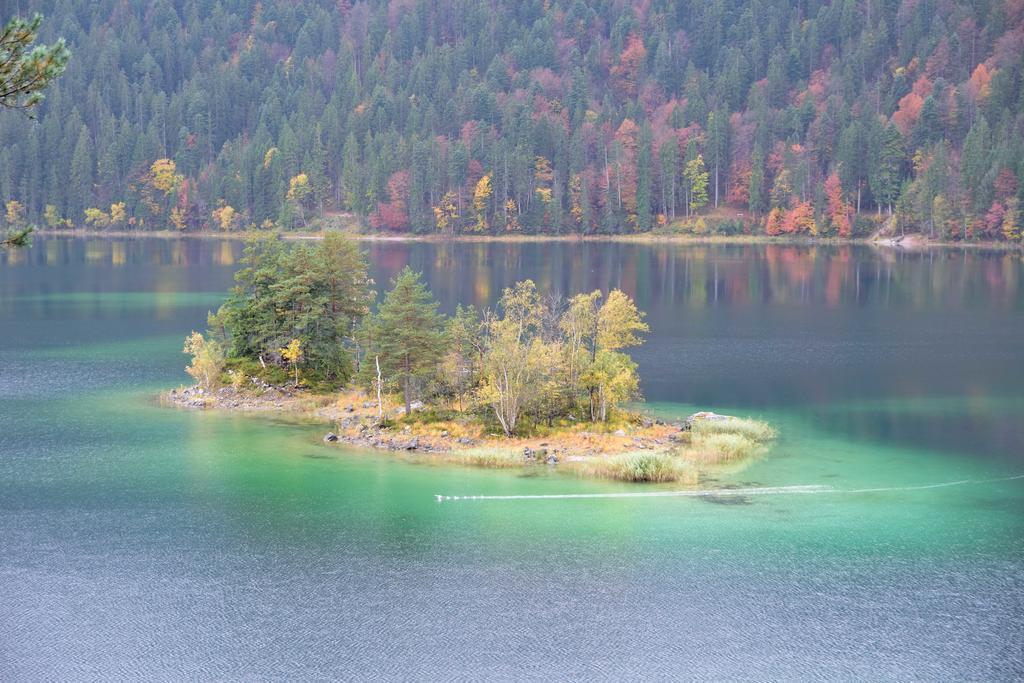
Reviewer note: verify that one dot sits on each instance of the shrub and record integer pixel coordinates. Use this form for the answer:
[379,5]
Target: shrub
[730,226]
[864,226]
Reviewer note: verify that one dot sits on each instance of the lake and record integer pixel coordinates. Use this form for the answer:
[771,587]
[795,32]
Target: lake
[140,542]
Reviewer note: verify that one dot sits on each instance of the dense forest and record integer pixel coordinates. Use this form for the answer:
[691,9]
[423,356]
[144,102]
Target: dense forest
[826,117]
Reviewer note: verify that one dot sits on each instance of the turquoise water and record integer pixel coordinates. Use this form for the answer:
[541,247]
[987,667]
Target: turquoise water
[143,542]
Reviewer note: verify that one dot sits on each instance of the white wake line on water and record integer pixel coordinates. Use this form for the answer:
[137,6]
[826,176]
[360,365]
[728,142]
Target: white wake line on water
[721,493]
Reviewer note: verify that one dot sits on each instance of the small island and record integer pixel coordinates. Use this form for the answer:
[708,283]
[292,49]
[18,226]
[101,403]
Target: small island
[539,380]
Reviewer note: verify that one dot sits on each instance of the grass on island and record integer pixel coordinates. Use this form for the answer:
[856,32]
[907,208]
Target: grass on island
[640,466]
[494,458]
[715,442]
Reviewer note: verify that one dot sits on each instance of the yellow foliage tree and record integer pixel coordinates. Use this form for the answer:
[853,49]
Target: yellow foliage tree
[512,211]
[53,218]
[178,218]
[614,378]
[481,194]
[299,191]
[160,184]
[293,354]
[15,213]
[1011,219]
[269,157]
[164,176]
[207,360]
[118,213]
[298,187]
[225,216]
[97,218]
[619,323]
[446,213]
[576,209]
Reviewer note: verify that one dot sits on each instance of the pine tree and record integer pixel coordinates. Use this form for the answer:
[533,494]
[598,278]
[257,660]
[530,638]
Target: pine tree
[351,173]
[756,201]
[884,166]
[718,146]
[80,190]
[975,162]
[407,333]
[643,181]
[26,71]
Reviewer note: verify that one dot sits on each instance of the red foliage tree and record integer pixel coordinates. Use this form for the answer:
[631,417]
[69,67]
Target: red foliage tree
[1006,184]
[799,220]
[773,225]
[394,214]
[910,105]
[626,74]
[993,222]
[978,84]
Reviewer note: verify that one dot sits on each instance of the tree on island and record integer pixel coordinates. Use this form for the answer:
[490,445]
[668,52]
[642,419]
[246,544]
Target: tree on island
[207,360]
[318,294]
[293,354]
[572,364]
[515,361]
[534,359]
[407,333]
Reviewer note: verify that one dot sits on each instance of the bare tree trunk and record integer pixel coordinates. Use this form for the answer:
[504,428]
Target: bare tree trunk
[716,182]
[380,401]
[406,390]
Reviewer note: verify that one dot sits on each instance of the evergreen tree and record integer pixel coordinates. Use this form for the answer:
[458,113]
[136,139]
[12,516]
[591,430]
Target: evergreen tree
[407,334]
[975,162]
[884,171]
[26,71]
[80,190]
[718,147]
[643,181]
[442,94]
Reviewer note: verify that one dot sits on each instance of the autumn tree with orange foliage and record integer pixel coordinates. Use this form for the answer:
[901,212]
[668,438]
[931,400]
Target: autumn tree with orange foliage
[626,74]
[838,209]
[910,105]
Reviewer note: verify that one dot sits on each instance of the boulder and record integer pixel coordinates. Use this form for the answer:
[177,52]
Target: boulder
[552,459]
[330,437]
[413,407]
[619,432]
[412,444]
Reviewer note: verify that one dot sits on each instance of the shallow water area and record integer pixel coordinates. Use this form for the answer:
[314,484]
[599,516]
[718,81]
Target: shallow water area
[144,542]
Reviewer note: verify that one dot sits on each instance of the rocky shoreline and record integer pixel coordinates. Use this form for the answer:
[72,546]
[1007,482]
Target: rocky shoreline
[356,423]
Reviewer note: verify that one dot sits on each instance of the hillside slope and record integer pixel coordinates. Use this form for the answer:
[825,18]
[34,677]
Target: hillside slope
[809,116]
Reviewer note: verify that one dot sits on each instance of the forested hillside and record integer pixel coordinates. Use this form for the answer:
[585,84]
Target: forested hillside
[780,116]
